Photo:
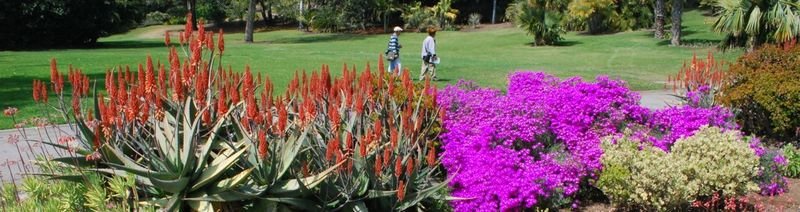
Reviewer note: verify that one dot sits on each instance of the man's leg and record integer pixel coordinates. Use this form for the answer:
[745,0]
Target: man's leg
[423,70]
[433,72]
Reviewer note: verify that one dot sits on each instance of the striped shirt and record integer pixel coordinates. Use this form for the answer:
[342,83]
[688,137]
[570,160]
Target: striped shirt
[394,45]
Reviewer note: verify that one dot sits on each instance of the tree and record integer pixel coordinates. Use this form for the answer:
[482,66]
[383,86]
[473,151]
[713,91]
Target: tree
[677,9]
[191,5]
[540,18]
[248,29]
[658,24]
[755,22]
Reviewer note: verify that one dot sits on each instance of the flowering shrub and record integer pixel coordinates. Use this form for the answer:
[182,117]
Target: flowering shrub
[711,161]
[770,179]
[534,144]
[197,136]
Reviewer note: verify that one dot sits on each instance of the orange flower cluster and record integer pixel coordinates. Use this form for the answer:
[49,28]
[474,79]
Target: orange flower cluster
[699,72]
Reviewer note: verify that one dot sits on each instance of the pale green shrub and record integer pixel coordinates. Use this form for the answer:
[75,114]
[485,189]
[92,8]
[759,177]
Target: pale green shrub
[638,175]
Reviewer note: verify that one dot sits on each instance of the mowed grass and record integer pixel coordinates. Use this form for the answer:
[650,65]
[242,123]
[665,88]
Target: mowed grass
[485,56]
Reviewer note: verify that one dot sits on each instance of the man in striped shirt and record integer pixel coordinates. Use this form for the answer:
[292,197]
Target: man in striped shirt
[394,50]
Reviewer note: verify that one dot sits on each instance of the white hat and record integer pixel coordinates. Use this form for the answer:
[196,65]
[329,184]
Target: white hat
[397,28]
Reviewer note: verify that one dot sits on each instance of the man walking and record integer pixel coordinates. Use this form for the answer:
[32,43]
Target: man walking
[393,51]
[429,56]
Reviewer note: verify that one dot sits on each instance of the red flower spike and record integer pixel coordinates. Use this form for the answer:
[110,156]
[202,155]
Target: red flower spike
[262,144]
[410,166]
[401,190]
[398,167]
[166,38]
[378,166]
[188,27]
[431,157]
[378,129]
[348,145]
[150,78]
[36,92]
[43,89]
[221,42]
[393,137]
[210,41]
[387,156]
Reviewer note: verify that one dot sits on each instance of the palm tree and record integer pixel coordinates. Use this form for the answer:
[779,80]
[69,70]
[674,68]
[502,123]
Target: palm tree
[677,10]
[540,18]
[754,22]
[248,29]
[658,11]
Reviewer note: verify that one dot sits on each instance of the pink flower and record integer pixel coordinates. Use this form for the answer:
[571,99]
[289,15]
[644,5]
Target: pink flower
[10,111]
[94,156]
[65,139]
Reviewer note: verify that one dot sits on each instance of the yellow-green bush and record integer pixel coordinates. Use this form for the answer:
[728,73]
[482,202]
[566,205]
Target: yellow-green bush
[640,176]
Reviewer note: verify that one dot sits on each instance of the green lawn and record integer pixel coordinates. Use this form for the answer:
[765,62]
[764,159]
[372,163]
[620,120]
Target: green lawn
[485,56]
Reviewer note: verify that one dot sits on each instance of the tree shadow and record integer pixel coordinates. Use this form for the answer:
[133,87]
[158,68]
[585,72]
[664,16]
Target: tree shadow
[557,44]
[126,44]
[317,38]
[692,42]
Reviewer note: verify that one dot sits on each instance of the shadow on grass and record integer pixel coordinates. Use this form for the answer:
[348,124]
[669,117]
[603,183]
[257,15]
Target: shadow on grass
[558,44]
[125,44]
[318,38]
[692,42]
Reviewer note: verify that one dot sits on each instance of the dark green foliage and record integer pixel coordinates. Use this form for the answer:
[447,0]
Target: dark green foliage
[47,23]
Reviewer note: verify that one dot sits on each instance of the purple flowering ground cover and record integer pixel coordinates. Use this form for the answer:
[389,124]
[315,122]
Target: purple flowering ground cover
[533,145]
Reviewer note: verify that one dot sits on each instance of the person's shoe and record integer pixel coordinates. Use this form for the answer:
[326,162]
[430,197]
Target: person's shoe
[435,79]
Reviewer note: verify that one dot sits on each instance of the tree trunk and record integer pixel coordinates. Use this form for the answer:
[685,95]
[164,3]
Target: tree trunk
[385,21]
[300,23]
[596,23]
[191,5]
[494,9]
[264,13]
[677,9]
[248,29]
[659,21]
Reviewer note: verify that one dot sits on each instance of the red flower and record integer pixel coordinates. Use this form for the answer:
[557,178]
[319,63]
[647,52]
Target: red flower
[393,137]
[221,42]
[166,38]
[378,167]
[410,166]
[398,167]
[401,190]
[431,157]
[262,144]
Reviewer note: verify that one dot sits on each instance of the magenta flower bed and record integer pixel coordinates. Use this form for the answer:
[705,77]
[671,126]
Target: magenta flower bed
[533,145]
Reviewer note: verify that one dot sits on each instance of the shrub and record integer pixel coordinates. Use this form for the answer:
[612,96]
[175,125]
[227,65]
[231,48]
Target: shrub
[156,18]
[765,92]
[792,155]
[770,179]
[540,18]
[474,20]
[211,140]
[709,162]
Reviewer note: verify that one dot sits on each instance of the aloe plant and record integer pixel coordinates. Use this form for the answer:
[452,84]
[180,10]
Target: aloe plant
[197,137]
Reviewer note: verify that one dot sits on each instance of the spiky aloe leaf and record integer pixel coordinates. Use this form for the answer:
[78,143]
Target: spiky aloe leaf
[64,147]
[173,186]
[201,206]
[225,196]
[300,203]
[215,170]
[203,156]
[131,166]
[230,183]
[288,154]
[293,187]
[414,199]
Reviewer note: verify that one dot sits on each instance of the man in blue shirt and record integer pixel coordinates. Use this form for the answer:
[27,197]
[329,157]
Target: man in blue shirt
[393,51]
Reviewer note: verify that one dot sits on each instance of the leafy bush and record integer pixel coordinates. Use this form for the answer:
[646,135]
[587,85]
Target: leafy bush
[792,155]
[474,20]
[201,139]
[709,162]
[764,92]
[47,24]
[607,15]
[539,18]
[156,18]
[420,17]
